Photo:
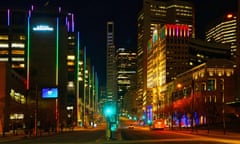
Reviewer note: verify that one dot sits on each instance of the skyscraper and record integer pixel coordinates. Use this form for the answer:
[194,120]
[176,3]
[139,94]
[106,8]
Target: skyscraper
[111,94]
[41,44]
[224,31]
[13,38]
[126,73]
[155,13]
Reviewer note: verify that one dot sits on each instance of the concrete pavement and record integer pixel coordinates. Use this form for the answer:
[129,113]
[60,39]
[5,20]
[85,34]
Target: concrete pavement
[212,133]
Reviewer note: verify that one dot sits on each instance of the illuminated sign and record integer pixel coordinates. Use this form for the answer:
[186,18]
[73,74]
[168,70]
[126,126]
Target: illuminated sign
[49,92]
[42,28]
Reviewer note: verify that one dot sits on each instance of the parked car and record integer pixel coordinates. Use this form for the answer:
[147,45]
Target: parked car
[158,124]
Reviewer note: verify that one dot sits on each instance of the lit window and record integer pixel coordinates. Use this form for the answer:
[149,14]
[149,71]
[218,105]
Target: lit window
[18,65]
[211,85]
[17,59]
[4,45]
[70,63]
[71,57]
[4,37]
[17,45]
[22,37]
[18,52]
[3,59]
[4,52]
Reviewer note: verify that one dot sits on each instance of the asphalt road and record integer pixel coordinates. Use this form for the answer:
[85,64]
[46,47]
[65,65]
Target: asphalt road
[124,135]
[82,136]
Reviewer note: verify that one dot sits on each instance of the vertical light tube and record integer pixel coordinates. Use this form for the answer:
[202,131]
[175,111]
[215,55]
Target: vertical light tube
[96,91]
[89,88]
[84,87]
[66,22]
[59,9]
[93,88]
[8,20]
[68,27]
[77,78]
[57,52]
[28,50]
[72,23]
[32,7]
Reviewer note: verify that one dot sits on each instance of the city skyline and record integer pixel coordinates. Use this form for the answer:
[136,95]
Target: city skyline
[92,16]
[111,61]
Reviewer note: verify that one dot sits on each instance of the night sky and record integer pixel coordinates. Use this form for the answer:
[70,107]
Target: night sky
[92,15]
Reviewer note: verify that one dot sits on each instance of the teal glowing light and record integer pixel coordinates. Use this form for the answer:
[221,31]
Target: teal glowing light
[149,122]
[77,76]
[113,127]
[135,118]
[109,109]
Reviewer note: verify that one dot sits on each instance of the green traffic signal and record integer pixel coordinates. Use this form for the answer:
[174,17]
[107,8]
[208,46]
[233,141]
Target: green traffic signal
[109,109]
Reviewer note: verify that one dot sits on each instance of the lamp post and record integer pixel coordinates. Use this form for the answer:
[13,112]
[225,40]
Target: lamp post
[193,101]
[175,92]
[36,111]
[223,113]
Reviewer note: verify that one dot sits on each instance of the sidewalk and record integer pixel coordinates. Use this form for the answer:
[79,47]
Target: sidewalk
[212,133]
[21,135]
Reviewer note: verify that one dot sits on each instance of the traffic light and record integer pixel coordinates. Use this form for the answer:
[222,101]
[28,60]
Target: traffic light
[109,109]
[113,127]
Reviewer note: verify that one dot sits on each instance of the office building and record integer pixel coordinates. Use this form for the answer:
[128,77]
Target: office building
[13,39]
[167,57]
[13,99]
[42,45]
[171,52]
[224,30]
[155,13]
[111,89]
[200,96]
[126,74]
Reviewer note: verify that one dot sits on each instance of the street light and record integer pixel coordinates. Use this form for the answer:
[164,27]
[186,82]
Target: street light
[193,101]
[174,93]
[110,113]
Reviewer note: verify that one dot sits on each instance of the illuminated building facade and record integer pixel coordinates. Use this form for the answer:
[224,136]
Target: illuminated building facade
[200,95]
[167,57]
[126,73]
[43,46]
[225,31]
[13,99]
[155,13]
[47,58]
[13,38]
[171,52]
[111,84]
